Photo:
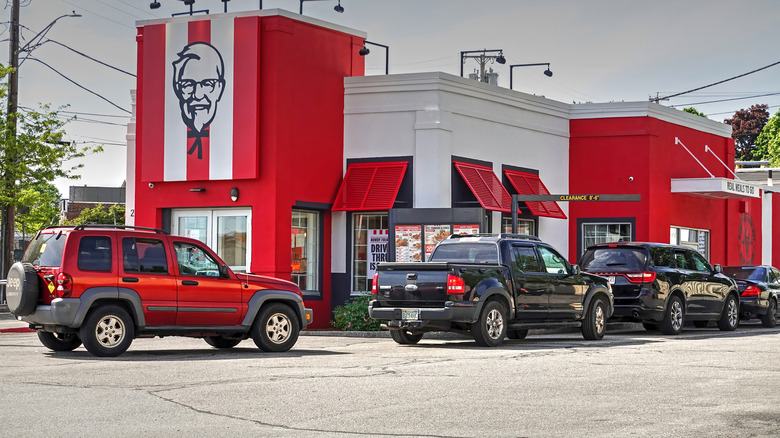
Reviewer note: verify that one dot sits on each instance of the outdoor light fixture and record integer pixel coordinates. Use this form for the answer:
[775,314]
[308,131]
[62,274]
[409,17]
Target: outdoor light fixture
[547,72]
[338,8]
[234,194]
[364,51]
[482,57]
[155,5]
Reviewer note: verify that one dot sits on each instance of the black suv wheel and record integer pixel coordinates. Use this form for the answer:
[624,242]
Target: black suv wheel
[595,323]
[673,318]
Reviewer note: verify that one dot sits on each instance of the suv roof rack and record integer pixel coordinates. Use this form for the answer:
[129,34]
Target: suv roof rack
[119,227]
[500,236]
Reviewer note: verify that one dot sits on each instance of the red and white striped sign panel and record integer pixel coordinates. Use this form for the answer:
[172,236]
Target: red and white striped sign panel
[199,103]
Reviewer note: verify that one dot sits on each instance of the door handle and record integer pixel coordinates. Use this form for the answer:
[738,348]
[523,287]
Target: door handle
[130,279]
[189,283]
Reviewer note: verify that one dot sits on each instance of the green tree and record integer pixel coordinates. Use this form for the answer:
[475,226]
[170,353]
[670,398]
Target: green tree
[746,125]
[31,152]
[768,142]
[99,214]
[39,207]
[694,111]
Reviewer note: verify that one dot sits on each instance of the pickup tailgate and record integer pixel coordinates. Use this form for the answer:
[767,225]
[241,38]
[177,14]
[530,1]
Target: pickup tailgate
[412,284]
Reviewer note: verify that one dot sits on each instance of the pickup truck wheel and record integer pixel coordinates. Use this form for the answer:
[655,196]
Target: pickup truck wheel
[59,341]
[769,319]
[595,323]
[673,318]
[108,331]
[22,289]
[221,341]
[490,328]
[405,337]
[276,328]
[517,334]
[729,319]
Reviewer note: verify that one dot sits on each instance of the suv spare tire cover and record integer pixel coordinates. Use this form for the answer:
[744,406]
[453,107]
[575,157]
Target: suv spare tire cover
[21,289]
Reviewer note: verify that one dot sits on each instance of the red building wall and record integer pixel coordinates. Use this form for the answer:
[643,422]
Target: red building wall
[295,128]
[640,155]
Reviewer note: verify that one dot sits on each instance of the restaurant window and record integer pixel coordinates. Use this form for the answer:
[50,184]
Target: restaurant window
[593,233]
[524,226]
[695,239]
[305,250]
[369,237]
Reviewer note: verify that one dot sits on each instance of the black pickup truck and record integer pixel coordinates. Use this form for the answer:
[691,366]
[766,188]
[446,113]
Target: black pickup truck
[491,286]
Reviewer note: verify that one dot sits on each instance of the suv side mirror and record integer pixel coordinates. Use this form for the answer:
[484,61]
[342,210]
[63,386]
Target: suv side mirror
[718,268]
[223,271]
[575,269]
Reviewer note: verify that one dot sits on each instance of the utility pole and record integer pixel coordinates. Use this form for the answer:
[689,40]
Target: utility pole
[9,210]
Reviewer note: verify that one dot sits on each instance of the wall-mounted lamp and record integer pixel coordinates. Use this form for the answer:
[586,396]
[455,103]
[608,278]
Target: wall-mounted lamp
[364,51]
[198,189]
[547,72]
[234,194]
[338,8]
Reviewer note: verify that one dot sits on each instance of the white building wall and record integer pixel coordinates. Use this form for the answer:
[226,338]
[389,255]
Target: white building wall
[433,116]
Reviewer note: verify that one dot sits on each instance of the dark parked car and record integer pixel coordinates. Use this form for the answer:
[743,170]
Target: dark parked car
[759,288]
[663,285]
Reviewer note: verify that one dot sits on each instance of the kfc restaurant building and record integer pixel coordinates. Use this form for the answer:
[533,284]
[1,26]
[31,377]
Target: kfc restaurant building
[258,134]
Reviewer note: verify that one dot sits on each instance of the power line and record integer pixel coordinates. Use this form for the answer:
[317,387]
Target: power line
[88,57]
[732,112]
[81,86]
[657,99]
[726,100]
[94,114]
[95,13]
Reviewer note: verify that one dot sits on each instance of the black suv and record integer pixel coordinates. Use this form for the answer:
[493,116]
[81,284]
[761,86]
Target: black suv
[663,285]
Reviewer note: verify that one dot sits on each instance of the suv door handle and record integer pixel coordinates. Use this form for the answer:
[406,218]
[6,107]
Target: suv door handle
[130,279]
[189,283]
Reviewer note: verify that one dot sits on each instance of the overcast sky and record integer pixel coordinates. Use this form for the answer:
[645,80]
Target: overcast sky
[599,51]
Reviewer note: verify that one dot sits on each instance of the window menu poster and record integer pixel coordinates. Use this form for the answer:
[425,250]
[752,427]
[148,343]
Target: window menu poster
[408,243]
[433,235]
[465,229]
[377,250]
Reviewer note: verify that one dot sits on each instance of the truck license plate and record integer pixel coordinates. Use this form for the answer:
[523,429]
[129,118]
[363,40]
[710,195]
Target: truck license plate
[410,314]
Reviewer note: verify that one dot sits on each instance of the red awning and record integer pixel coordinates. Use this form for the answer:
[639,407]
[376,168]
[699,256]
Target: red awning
[530,184]
[370,186]
[489,191]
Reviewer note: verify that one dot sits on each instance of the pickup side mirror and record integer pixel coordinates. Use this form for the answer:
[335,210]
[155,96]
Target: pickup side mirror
[575,269]
[718,269]
[224,272]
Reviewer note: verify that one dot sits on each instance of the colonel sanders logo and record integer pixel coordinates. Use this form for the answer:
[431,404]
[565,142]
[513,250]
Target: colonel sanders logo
[198,81]
[747,240]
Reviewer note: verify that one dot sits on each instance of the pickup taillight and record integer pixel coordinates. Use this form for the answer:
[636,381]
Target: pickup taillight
[373,284]
[64,285]
[455,285]
[751,291]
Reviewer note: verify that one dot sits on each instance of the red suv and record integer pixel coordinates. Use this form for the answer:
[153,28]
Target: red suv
[103,286]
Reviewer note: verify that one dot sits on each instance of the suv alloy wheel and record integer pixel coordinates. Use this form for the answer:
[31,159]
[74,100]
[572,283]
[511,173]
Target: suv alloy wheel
[108,331]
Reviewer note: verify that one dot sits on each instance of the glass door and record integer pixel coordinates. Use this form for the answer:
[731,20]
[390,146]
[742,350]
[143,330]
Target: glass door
[226,231]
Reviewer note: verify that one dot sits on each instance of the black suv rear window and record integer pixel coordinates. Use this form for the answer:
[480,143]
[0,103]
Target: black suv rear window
[45,250]
[614,259]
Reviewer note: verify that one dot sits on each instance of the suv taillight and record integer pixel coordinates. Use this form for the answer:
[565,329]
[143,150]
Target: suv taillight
[751,291]
[640,277]
[455,285]
[373,285]
[64,285]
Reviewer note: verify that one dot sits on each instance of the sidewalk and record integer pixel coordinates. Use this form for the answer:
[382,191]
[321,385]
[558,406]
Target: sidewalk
[9,324]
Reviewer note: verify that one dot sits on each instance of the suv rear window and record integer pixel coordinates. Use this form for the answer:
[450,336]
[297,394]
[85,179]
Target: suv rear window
[95,253]
[614,259]
[46,250]
[466,253]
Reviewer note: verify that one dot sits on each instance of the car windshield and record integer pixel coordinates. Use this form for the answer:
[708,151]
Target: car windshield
[466,253]
[614,259]
[745,273]
[45,250]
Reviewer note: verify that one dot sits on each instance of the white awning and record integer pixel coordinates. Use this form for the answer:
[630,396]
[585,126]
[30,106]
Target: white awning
[722,188]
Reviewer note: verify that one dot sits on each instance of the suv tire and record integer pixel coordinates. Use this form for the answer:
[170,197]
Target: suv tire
[729,319]
[673,318]
[59,341]
[405,337]
[221,341]
[517,333]
[22,289]
[650,326]
[595,323]
[490,329]
[769,319]
[276,328]
[107,331]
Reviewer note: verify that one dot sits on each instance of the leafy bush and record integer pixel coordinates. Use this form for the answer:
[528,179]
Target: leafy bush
[353,316]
